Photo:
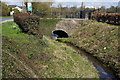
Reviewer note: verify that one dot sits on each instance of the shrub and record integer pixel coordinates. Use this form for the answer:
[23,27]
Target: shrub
[107,17]
[5,10]
[28,23]
[16,11]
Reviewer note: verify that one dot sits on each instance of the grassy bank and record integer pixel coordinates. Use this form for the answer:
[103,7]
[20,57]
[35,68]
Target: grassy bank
[27,56]
[99,39]
[47,25]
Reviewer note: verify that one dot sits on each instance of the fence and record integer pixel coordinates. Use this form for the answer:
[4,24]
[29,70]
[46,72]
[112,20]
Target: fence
[80,14]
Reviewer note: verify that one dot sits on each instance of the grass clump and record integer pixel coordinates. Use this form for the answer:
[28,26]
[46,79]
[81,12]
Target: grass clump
[30,55]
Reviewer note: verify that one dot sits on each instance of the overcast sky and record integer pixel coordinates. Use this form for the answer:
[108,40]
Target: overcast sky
[70,3]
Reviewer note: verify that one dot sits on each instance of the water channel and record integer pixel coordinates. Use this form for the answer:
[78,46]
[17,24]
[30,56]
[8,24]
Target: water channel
[104,72]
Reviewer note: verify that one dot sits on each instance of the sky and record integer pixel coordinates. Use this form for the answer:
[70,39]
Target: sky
[87,4]
[70,3]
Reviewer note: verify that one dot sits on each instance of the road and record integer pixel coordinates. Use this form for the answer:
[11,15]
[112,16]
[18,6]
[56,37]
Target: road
[5,19]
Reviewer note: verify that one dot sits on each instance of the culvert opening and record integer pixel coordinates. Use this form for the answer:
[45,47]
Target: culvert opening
[59,34]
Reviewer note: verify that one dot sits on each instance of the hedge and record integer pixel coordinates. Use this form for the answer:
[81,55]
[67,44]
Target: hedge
[28,23]
[107,17]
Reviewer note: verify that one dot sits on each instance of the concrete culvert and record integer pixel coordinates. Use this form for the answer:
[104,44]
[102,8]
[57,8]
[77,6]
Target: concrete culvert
[59,34]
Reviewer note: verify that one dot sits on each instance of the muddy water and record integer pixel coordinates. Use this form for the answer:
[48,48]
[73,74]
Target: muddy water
[104,72]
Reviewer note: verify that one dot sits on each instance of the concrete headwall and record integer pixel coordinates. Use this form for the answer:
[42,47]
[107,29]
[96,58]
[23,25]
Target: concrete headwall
[69,25]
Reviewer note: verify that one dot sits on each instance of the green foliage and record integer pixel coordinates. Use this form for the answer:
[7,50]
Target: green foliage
[28,23]
[46,26]
[30,55]
[15,46]
[41,6]
[5,9]
[113,9]
[102,9]
[16,11]
[11,9]
[12,33]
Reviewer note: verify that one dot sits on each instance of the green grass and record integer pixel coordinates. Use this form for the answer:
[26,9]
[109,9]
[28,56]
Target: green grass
[45,57]
[47,26]
[20,45]
[30,55]
[100,39]
[12,30]
[66,62]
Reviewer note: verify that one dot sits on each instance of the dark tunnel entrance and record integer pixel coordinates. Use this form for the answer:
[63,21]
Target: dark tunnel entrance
[60,34]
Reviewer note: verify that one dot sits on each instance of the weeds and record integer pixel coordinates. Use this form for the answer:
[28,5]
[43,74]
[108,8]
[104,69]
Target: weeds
[30,55]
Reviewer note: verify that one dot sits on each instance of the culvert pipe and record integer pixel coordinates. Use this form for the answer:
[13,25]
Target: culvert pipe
[59,34]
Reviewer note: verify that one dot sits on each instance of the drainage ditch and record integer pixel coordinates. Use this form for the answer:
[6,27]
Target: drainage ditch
[104,72]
